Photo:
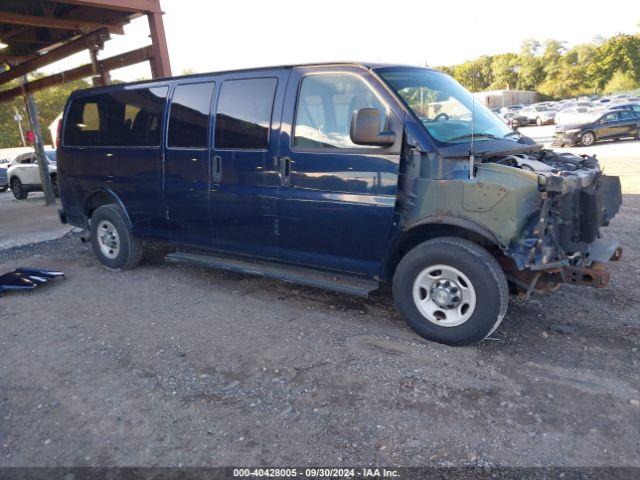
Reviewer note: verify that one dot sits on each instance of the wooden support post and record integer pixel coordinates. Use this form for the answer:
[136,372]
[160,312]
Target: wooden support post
[43,162]
[101,75]
[160,65]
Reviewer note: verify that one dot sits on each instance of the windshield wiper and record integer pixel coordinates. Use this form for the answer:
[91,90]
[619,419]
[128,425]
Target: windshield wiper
[469,135]
[511,134]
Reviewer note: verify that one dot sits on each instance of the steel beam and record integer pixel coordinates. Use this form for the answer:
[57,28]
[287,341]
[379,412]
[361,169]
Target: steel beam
[43,162]
[65,50]
[118,61]
[145,6]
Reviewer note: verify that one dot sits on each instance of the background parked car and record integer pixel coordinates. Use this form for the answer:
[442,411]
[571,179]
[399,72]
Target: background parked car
[511,109]
[613,124]
[7,155]
[24,174]
[540,114]
[627,106]
[572,115]
[4,180]
[515,119]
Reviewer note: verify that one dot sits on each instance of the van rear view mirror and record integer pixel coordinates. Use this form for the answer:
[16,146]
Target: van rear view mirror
[365,129]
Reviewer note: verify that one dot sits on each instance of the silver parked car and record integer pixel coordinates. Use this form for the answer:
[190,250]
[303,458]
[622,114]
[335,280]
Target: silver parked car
[539,114]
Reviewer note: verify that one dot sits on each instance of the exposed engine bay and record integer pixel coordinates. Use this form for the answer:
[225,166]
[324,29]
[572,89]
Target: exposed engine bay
[564,242]
[578,170]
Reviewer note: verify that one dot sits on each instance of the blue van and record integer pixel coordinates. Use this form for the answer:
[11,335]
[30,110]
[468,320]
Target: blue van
[340,176]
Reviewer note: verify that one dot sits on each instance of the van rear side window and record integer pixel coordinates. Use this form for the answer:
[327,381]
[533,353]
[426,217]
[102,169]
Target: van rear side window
[127,118]
[189,115]
[243,119]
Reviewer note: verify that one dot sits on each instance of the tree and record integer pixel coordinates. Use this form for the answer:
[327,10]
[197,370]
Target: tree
[621,82]
[475,75]
[557,72]
[531,71]
[619,53]
[505,71]
[50,102]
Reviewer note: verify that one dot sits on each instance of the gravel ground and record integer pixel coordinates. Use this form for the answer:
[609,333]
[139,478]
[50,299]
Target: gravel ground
[171,365]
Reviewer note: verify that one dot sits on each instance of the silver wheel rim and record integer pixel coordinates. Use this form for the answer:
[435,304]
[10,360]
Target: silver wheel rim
[444,295]
[108,239]
[589,139]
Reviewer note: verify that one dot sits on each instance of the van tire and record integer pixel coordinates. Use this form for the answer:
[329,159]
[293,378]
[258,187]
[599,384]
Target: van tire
[111,219]
[489,290]
[4,188]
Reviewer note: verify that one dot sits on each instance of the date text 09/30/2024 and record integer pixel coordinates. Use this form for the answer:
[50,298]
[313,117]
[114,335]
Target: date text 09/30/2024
[315,473]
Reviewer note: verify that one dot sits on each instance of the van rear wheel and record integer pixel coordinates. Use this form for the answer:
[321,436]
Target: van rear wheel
[451,290]
[111,239]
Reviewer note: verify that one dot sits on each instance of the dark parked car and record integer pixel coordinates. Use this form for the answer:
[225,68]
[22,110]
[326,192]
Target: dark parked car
[338,176]
[515,119]
[613,124]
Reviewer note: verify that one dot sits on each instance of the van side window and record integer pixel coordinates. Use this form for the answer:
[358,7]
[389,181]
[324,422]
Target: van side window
[125,118]
[90,118]
[243,117]
[189,115]
[326,104]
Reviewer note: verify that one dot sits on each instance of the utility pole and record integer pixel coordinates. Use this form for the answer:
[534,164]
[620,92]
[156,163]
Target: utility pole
[43,163]
[18,118]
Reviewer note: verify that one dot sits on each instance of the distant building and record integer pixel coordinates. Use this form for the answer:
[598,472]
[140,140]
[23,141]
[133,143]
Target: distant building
[504,98]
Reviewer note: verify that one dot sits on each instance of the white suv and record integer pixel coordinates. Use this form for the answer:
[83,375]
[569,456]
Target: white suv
[24,175]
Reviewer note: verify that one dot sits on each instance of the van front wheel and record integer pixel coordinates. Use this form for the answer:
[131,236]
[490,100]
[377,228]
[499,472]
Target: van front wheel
[111,239]
[451,290]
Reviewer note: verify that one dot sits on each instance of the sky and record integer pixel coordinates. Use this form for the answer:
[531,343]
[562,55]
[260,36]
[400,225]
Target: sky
[211,35]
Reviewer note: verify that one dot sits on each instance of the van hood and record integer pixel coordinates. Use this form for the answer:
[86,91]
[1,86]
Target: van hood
[491,147]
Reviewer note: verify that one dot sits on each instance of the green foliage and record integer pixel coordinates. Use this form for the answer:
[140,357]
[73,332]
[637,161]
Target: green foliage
[602,66]
[618,54]
[49,102]
[621,82]
[505,71]
[475,74]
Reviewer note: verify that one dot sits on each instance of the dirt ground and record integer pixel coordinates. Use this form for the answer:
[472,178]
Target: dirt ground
[170,365]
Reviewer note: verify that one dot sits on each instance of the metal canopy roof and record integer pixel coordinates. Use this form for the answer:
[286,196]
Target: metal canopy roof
[35,33]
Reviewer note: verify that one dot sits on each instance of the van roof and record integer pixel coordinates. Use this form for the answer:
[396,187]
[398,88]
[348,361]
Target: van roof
[364,65]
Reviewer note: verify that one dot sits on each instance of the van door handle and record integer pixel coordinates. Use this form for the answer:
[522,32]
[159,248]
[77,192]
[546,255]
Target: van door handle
[217,168]
[285,170]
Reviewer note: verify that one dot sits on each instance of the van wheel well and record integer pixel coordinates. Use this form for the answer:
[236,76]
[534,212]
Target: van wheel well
[98,199]
[422,233]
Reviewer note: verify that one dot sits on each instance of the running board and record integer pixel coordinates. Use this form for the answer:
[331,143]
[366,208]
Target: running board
[342,283]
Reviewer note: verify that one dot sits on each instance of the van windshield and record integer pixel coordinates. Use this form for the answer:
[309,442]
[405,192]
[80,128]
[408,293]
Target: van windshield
[444,106]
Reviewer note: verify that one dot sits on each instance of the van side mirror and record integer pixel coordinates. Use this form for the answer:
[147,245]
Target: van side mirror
[365,129]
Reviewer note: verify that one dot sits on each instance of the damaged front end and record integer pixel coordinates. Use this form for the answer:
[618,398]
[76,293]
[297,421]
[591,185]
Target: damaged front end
[562,242]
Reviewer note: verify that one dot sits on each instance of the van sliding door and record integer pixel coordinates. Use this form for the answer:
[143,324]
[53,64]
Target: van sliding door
[187,164]
[245,180]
